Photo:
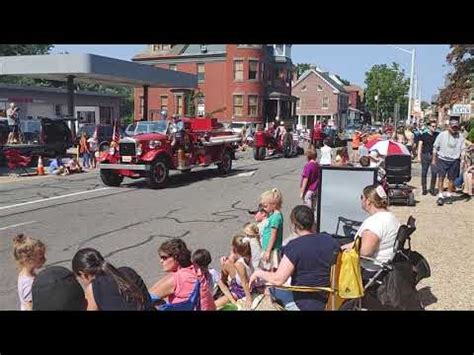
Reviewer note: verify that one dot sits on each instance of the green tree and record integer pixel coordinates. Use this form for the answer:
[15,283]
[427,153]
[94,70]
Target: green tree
[126,103]
[390,86]
[461,79]
[301,68]
[24,49]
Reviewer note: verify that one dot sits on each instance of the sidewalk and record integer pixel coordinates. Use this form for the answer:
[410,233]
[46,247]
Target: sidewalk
[444,237]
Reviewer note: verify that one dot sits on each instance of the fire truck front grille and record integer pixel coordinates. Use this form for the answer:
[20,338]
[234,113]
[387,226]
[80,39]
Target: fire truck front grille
[127,149]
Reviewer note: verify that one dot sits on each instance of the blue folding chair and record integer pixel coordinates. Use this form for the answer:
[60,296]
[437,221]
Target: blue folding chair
[192,304]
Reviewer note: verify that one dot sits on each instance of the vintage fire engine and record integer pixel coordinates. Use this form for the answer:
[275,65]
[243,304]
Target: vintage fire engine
[203,142]
[264,141]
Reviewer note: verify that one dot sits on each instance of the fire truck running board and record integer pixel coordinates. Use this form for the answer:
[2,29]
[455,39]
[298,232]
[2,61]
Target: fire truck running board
[125,166]
[189,167]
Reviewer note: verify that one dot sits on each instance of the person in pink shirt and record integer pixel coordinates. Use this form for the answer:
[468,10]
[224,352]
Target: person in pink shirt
[182,275]
[310,179]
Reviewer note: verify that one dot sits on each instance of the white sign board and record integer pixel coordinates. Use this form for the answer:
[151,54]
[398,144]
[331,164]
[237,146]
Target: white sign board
[201,110]
[460,109]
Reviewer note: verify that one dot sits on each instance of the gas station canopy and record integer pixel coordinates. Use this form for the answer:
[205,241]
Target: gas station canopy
[95,69]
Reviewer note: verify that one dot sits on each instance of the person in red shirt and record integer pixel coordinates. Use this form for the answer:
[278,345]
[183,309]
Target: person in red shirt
[318,135]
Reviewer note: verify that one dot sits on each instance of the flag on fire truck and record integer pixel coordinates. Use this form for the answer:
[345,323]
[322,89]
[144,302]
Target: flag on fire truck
[116,132]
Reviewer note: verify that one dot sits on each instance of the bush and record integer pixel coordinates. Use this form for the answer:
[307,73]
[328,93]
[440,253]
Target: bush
[470,136]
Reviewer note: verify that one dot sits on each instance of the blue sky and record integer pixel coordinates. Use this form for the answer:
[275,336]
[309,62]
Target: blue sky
[351,62]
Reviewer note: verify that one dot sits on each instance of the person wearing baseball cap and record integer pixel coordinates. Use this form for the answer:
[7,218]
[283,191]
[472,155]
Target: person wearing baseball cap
[56,289]
[447,150]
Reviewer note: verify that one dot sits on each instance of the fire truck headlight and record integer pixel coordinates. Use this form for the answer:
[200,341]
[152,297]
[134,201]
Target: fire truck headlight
[154,144]
[139,149]
[111,150]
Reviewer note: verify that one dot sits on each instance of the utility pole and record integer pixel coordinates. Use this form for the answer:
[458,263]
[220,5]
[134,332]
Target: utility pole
[410,91]
[412,72]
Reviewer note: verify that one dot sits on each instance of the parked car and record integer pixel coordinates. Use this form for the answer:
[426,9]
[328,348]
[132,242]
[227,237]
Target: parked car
[237,127]
[4,131]
[104,133]
[54,139]
[31,130]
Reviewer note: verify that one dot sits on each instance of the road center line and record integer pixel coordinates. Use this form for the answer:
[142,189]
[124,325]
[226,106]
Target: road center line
[53,198]
[17,225]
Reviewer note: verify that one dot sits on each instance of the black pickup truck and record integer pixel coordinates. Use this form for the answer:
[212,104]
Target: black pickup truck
[53,139]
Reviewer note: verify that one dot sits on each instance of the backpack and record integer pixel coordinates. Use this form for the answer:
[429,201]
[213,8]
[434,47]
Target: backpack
[398,289]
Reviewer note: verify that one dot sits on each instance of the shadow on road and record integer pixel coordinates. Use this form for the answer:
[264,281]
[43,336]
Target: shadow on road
[186,178]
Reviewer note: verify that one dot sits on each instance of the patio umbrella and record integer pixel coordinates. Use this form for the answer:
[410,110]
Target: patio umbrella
[388,147]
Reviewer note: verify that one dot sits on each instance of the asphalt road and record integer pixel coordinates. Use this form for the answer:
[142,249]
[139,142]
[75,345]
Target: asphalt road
[127,224]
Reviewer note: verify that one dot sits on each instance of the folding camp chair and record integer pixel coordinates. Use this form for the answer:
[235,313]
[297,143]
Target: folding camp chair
[193,303]
[334,301]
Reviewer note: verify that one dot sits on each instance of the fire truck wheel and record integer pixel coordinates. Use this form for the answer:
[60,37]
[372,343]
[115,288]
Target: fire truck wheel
[159,173]
[226,165]
[110,178]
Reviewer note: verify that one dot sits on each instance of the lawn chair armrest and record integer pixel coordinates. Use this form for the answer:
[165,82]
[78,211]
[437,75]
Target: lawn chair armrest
[309,289]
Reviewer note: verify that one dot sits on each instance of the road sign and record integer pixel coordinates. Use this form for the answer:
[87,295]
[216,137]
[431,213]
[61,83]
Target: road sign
[460,109]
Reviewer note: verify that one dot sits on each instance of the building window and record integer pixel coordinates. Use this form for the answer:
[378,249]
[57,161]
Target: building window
[238,105]
[160,47]
[263,71]
[200,72]
[238,70]
[106,114]
[253,105]
[279,74]
[164,103]
[298,103]
[319,88]
[303,88]
[279,49]
[142,104]
[253,70]
[179,105]
[173,67]
[325,103]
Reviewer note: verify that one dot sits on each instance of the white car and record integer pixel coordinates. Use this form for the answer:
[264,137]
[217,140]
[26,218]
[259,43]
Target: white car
[237,127]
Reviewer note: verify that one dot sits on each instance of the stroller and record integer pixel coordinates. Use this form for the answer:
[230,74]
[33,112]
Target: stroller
[397,174]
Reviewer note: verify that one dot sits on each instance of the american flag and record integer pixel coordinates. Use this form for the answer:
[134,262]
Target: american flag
[116,133]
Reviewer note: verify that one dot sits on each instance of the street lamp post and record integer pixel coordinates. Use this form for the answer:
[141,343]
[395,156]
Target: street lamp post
[412,72]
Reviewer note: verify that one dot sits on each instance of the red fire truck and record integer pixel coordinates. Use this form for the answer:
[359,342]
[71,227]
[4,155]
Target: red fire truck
[202,142]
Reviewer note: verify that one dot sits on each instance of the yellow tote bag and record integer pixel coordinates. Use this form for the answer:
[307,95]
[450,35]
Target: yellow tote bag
[350,277]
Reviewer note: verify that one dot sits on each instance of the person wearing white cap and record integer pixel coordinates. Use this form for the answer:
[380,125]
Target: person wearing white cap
[447,150]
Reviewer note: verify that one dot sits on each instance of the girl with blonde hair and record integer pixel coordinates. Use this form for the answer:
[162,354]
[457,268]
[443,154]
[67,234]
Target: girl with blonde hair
[29,255]
[272,236]
[236,270]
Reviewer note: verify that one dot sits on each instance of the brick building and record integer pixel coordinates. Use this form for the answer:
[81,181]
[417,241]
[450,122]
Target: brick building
[240,83]
[320,97]
[356,108]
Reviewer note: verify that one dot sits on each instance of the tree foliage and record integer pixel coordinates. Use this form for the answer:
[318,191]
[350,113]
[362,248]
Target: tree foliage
[301,68]
[390,86]
[461,57]
[126,106]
